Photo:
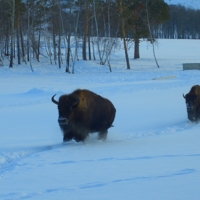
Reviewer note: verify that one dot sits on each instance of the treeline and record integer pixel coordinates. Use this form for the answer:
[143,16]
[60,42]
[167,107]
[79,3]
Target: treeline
[67,30]
[183,24]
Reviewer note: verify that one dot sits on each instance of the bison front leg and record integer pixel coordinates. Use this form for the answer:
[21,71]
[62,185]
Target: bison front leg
[67,136]
[73,135]
[102,135]
[80,136]
[67,133]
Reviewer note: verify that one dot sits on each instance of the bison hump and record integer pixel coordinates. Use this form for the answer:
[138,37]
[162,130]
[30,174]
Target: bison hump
[83,104]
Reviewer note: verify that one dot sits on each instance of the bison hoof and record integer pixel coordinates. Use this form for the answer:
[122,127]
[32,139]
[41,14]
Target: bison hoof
[102,135]
[79,139]
[67,138]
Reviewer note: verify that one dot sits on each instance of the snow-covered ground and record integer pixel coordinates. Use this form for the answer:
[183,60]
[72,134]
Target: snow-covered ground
[151,153]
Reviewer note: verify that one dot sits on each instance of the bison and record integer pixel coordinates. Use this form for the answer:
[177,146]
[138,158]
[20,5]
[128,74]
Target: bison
[192,100]
[83,112]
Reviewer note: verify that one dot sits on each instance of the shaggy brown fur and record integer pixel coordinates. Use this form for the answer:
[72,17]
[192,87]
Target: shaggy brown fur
[83,112]
[192,100]
[195,90]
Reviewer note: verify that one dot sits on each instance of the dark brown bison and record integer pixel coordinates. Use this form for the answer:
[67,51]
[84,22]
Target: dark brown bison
[83,112]
[192,100]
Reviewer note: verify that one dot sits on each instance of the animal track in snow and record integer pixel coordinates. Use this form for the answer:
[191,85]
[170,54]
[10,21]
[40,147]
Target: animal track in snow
[9,159]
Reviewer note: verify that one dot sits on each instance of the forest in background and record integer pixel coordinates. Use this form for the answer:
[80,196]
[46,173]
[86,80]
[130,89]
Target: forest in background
[64,28]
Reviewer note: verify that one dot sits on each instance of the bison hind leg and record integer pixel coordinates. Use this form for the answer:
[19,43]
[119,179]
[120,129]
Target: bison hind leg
[102,135]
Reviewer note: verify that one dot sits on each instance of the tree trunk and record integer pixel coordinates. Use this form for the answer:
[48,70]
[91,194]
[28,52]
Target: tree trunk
[22,45]
[86,30]
[89,48]
[18,48]
[69,38]
[124,35]
[54,33]
[137,48]
[59,50]
[38,44]
[68,52]
[151,36]
[12,34]
[18,40]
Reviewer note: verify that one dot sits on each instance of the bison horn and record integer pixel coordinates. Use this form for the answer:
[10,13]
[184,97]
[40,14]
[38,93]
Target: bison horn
[183,96]
[53,100]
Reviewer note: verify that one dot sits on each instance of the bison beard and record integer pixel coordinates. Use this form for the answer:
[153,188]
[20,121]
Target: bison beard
[192,100]
[83,112]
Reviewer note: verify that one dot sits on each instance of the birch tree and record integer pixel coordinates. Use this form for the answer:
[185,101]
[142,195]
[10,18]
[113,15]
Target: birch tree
[150,34]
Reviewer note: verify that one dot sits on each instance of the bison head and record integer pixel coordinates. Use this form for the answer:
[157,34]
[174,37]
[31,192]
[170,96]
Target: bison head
[66,104]
[191,101]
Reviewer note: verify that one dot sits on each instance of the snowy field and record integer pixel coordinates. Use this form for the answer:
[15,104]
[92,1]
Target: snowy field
[151,153]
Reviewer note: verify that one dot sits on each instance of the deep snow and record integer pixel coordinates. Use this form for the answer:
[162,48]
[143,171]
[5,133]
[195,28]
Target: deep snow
[152,152]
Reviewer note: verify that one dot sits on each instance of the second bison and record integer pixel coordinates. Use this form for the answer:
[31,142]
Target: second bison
[192,100]
[83,112]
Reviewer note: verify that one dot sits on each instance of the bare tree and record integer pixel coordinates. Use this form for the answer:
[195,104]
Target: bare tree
[28,31]
[86,29]
[122,11]
[74,56]
[54,24]
[70,16]
[150,34]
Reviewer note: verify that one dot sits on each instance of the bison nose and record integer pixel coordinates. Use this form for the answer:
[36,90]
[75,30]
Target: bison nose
[62,120]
